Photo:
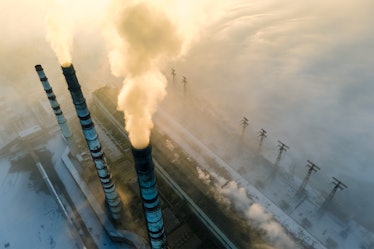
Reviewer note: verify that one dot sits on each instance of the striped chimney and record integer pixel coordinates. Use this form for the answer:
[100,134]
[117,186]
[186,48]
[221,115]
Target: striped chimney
[148,191]
[89,131]
[53,101]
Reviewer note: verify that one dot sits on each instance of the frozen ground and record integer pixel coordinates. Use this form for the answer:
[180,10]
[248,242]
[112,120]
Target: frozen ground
[58,149]
[30,217]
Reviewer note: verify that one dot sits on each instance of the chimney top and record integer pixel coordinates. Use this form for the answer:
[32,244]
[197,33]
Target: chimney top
[38,67]
[141,152]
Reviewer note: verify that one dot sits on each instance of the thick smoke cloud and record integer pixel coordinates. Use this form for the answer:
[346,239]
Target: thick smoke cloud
[65,19]
[60,21]
[146,38]
[273,232]
[143,37]
[235,196]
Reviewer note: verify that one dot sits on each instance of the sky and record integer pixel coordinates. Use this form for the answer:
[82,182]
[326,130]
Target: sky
[300,70]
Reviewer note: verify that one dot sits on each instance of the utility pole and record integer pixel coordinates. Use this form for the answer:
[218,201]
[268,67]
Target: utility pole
[338,186]
[262,135]
[244,123]
[312,168]
[184,82]
[282,147]
[173,74]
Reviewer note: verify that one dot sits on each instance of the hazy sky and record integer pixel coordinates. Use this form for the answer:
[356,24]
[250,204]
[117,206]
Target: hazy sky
[301,70]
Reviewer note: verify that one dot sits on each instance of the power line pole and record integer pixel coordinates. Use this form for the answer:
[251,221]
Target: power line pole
[244,123]
[282,147]
[184,82]
[339,185]
[262,135]
[312,168]
[173,73]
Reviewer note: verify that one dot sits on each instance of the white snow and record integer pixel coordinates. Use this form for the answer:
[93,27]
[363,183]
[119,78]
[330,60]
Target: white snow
[29,131]
[29,219]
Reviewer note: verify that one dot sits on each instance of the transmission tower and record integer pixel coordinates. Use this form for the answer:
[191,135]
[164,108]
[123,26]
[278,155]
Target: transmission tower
[312,168]
[173,74]
[262,135]
[184,82]
[282,148]
[244,123]
[338,186]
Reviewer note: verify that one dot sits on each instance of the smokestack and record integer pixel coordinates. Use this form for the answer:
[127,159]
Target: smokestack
[89,131]
[53,101]
[149,193]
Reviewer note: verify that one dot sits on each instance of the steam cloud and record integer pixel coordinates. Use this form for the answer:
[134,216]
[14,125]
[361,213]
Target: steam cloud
[146,38]
[257,216]
[59,27]
[144,35]
[236,196]
[203,176]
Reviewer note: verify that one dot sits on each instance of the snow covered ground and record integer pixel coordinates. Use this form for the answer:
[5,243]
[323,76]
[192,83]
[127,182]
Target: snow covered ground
[58,149]
[30,217]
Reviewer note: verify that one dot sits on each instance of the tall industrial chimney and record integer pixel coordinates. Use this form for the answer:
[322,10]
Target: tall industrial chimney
[148,190]
[89,131]
[53,101]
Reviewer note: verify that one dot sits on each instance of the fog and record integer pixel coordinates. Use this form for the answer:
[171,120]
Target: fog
[302,71]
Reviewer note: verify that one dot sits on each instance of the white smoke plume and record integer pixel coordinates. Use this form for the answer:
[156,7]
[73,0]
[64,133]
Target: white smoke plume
[203,175]
[142,37]
[60,20]
[147,37]
[256,215]
[230,194]
[272,231]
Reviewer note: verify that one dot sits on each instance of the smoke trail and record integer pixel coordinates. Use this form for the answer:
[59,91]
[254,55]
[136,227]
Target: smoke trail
[203,175]
[232,195]
[256,215]
[274,233]
[143,36]
[60,27]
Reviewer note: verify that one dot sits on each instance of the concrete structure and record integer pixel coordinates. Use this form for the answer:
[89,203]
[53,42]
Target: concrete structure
[149,194]
[90,134]
[53,101]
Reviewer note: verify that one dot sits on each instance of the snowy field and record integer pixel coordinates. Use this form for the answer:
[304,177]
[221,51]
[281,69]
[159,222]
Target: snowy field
[30,217]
